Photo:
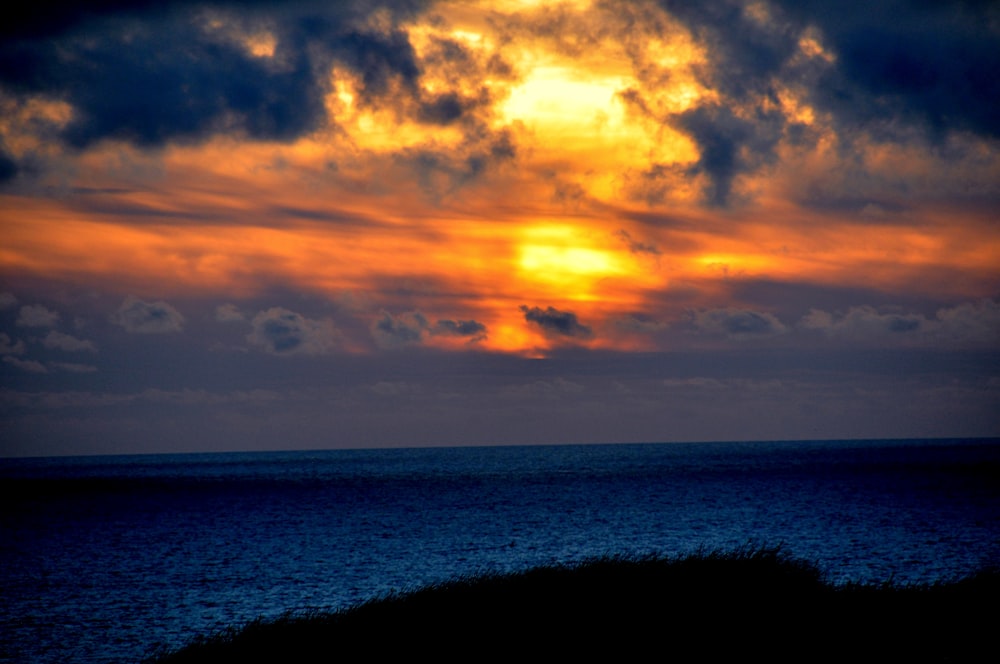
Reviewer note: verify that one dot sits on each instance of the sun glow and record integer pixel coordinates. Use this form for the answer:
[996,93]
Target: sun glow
[562,258]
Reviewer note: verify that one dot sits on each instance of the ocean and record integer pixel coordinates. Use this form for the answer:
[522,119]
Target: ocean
[106,559]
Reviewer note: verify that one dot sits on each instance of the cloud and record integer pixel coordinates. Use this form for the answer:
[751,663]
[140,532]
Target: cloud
[729,146]
[747,44]
[67,342]
[185,79]
[35,315]
[228,313]
[413,328]
[138,317]
[31,366]
[737,129]
[557,323]
[971,323]
[882,72]
[395,331]
[638,324]
[73,367]
[865,322]
[737,323]
[149,74]
[10,347]
[282,332]
[888,63]
[634,246]
[459,328]
[441,171]
[929,65]
[385,62]
[964,325]
[152,76]
[7,300]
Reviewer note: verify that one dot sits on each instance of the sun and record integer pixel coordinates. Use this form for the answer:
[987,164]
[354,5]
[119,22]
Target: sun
[563,261]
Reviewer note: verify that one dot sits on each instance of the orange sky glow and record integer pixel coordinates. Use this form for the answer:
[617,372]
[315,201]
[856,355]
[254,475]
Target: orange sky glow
[350,207]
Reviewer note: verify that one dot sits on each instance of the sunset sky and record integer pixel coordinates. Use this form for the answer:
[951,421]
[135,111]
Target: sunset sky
[264,225]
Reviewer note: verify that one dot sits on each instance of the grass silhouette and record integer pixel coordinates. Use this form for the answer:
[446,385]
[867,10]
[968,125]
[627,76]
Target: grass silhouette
[752,601]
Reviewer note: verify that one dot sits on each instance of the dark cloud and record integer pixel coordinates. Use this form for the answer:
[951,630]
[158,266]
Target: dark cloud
[638,324]
[841,199]
[52,17]
[394,331]
[897,70]
[747,46]
[736,323]
[149,83]
[449,60]
[413,327]
[444,109]
[929,63]
[900,57]
[635,246]
[748,50]
[442,171]
[9,167]
[386,63]
[460,328]
[729,145]
[149,73]
[282,332]
[139,317]
[557,323]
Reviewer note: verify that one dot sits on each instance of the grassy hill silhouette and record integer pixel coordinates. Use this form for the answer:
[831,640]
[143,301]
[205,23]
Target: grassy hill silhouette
[707,606]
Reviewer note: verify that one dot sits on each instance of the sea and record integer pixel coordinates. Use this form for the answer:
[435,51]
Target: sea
[115,558]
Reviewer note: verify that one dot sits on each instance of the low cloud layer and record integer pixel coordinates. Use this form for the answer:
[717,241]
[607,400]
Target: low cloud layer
[971,324]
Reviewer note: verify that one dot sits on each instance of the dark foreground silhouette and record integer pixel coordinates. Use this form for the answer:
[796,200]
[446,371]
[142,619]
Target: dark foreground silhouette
[705,606]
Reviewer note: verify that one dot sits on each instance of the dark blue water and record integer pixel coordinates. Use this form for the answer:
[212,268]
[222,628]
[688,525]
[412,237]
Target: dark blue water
[106,558]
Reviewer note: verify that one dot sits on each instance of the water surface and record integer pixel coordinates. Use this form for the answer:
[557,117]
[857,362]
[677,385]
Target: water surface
[104,558]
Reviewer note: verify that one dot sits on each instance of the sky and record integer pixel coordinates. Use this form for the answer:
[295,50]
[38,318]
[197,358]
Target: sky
[292,225]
